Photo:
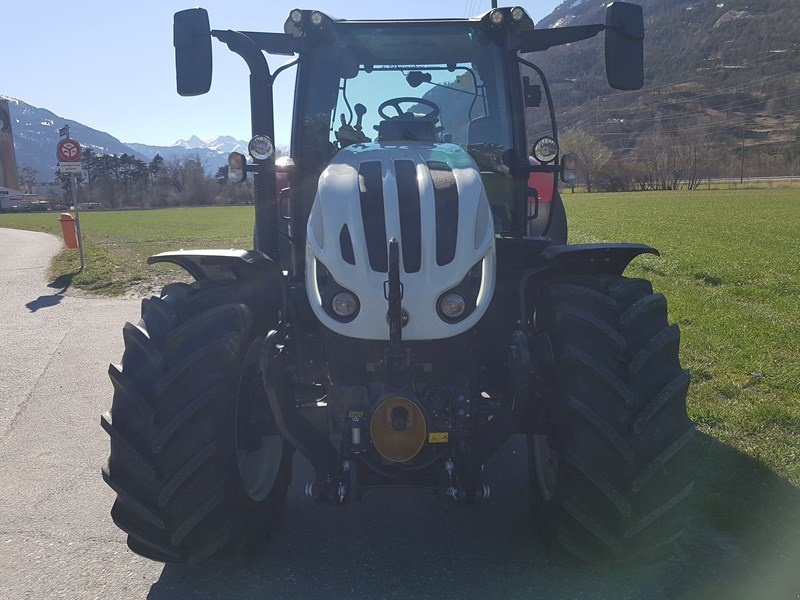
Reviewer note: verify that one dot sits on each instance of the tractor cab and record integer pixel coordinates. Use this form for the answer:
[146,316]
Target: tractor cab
[429,83]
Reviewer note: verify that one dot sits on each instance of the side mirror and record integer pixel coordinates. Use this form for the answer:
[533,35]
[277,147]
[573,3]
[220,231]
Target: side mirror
[192,40]
[569,168]
[237,167]
[417,78]
[625,46]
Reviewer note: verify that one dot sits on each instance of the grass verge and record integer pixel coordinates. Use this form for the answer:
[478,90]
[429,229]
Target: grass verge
[117,244]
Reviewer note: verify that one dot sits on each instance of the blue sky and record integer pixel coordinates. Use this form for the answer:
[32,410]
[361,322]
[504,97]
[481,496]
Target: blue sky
[109,63]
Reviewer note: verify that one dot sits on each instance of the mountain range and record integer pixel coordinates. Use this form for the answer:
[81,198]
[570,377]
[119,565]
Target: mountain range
[725,69]
[213,153]
[36,134]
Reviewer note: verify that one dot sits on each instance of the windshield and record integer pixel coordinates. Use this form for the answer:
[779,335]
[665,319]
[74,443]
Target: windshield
[438,83]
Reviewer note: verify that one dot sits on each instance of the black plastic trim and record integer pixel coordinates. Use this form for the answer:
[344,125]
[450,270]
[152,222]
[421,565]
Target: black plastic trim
[346,243]
[410,218]
[370,188]
[445,193]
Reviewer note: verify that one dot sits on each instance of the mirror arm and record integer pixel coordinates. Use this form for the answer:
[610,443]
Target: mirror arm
[265,234]
[542,39]
[245,47]
[275,43]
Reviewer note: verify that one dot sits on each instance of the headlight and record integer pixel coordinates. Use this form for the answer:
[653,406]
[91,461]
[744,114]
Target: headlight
[452,305]
[545,150]
[344,304]
[496,17]
[296,16]
[517,13]
[261,147]
[316,18]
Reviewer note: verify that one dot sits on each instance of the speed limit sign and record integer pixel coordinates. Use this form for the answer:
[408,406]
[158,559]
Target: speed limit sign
[68,151]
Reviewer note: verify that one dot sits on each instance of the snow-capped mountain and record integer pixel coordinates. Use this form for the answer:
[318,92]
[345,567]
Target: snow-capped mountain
[213,153]
[224,143]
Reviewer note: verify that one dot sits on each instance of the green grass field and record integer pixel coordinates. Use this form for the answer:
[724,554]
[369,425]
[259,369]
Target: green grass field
[117,244]
[729,266]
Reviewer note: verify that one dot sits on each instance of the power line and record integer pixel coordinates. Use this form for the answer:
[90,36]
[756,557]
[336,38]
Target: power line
[648,90]
[739,104]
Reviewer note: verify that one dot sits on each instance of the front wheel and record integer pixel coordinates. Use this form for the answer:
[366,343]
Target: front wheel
[609,478]
[196,464]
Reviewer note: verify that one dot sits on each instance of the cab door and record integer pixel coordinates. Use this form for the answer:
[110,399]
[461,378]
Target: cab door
[545,212]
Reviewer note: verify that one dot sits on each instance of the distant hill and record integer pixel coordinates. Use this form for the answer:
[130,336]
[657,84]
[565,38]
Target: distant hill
[36,135]
[728,69]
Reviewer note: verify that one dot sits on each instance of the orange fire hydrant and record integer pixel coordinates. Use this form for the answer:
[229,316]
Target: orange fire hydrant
[68,230]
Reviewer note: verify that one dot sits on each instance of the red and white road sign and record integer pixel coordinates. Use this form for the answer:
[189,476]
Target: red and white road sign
[68,151]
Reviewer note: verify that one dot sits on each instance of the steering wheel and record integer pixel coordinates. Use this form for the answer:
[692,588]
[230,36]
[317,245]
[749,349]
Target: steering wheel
[396,102]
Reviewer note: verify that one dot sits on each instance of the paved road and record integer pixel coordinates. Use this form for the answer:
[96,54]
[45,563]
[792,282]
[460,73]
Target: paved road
[57,540]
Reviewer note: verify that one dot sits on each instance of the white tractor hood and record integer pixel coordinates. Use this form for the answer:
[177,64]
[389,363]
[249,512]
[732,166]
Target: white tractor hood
[430,198]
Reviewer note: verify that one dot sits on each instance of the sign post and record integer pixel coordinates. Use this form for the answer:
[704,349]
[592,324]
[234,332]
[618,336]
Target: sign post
[68,153]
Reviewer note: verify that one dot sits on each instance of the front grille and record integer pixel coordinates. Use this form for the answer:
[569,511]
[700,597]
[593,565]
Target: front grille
[410,220]
[370,187]
[446,197]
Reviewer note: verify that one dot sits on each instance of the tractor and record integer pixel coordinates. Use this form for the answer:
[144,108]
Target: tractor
[410,303]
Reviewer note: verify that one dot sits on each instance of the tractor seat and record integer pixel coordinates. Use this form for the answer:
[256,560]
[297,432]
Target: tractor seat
[483,130]
[407,128]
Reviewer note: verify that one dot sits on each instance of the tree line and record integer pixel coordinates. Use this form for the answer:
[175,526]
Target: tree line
[669,161]
[124,181]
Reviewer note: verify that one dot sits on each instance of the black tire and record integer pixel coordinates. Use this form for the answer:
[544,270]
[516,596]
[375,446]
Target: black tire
[173,461]
[613,477]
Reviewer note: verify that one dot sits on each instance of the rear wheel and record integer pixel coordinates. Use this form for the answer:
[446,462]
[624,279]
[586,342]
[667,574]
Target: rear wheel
[195,461]
[610,479]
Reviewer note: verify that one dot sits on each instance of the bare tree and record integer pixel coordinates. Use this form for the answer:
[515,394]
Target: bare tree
[27,177]
[698,154]
[592,154]
[673,161]
[664,164]
[175,174]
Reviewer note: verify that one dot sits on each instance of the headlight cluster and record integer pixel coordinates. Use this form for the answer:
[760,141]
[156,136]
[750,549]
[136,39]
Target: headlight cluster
[504,17]
[339,302]
[344,304]
[459,302]
[300,18]
[545,150]
[452,305]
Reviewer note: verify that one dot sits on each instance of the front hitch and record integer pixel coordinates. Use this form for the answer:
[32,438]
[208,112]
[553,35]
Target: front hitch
[398,360]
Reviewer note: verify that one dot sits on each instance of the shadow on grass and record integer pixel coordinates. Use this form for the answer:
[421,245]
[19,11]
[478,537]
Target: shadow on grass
[60,283]
[742,542]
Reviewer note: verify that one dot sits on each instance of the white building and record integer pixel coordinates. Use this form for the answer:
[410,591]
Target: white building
[9,198]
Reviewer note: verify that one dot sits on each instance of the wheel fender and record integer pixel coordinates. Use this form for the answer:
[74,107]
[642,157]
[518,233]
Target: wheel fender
[221,264]
[577,259]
